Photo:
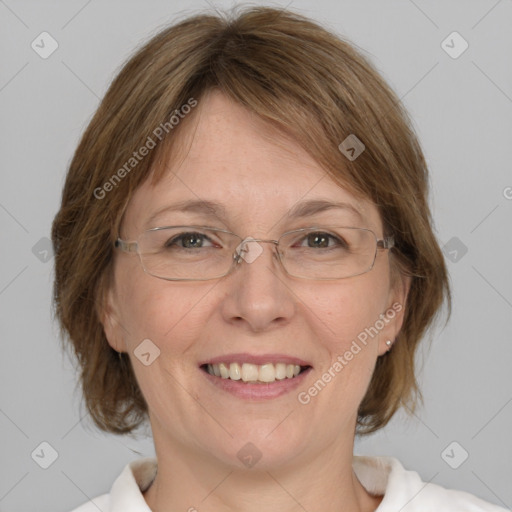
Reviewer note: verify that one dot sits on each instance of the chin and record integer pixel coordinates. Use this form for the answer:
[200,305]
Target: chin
[262,445]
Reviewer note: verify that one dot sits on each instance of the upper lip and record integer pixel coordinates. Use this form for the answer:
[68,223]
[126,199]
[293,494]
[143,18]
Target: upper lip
[258,359]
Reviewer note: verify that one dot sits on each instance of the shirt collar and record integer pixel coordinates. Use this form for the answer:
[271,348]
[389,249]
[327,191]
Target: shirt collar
[127,491]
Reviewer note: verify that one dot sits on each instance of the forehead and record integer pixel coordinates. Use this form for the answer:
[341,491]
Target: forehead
[253,171]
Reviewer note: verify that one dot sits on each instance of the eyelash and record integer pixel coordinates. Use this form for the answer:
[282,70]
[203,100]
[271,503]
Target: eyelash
[182,236]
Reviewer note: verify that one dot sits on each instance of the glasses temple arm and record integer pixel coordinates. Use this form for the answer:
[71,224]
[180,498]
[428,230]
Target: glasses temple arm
[386,243]
[126,246]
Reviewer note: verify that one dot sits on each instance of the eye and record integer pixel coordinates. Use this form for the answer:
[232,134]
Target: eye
[323,240]
[190,240]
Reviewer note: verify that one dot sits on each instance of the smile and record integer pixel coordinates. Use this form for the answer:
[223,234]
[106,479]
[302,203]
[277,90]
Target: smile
[254,373]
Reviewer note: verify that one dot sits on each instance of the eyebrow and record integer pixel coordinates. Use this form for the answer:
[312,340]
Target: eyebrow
[192,206]
[300,210]
[308,208]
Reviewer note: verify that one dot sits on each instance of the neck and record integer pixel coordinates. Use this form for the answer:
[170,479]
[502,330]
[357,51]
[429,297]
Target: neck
[193,481]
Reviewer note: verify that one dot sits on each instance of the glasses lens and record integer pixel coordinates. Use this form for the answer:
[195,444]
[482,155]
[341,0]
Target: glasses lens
[328,252]
[187,252]
[198,253]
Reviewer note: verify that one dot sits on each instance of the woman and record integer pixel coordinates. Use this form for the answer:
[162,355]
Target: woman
[244,256]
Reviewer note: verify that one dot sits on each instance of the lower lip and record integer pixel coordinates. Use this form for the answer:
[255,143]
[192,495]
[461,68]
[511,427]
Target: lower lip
[260,391]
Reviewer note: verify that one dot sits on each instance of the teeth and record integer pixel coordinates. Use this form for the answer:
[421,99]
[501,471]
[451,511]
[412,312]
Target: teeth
[250,372]
[280,371]
[235,372]
[224,371]
[267,373]
[254,373]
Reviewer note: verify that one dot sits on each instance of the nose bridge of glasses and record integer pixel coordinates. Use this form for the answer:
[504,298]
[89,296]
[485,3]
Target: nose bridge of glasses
[249,249]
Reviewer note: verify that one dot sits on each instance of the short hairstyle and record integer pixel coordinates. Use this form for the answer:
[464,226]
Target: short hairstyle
[306,82]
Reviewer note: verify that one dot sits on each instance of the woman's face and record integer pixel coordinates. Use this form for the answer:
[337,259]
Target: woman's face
[257,313]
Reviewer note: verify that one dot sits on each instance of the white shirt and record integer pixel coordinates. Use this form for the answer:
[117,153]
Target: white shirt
[403,490]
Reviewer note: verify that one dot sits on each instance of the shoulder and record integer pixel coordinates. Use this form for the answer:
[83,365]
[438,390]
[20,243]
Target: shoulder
[126,494]
[404,490]
[450,500]
[100,503]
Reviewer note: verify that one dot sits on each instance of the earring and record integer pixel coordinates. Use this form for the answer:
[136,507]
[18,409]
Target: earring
[389,343]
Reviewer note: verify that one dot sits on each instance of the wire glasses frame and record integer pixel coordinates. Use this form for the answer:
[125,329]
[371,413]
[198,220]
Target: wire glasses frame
[242,251]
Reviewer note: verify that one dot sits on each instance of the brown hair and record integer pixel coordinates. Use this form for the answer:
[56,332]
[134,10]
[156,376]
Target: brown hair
[302,79]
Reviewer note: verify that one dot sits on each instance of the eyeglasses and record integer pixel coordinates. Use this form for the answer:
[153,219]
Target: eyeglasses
[198,253]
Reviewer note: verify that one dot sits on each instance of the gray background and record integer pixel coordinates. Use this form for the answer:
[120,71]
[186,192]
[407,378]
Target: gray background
[462,109]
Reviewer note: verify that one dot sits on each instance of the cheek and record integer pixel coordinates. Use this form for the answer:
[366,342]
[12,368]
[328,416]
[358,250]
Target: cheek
[172,317]
[345,313]
[343,317]
[351,307]
[169,314]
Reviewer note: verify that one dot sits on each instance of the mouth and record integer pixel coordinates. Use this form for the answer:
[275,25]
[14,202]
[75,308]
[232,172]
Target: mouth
[254,373]
[256,378]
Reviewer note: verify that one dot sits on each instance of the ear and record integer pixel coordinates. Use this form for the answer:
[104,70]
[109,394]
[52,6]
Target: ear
[110,319]
[393,316]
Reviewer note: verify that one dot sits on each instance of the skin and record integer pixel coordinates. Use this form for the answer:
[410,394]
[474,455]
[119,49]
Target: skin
[198,429]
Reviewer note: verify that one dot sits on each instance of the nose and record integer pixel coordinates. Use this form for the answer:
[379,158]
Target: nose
[257,294]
